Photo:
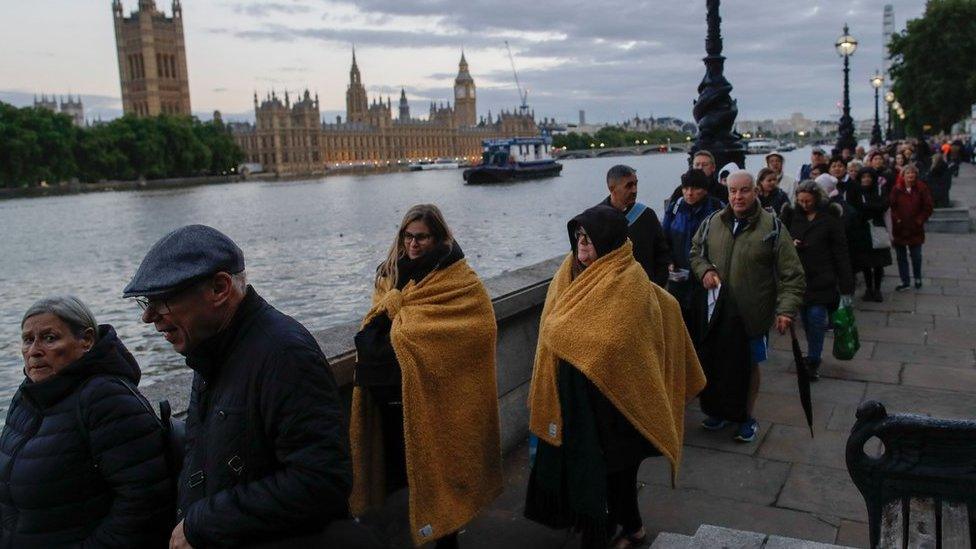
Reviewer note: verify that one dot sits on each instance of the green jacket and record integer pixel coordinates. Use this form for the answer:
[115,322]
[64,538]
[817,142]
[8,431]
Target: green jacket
[760,268]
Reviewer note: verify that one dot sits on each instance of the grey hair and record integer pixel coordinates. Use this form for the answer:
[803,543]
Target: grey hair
[239,280]
[909,168]
[810,186]
[857,164]
[740,173]
[69,309]
[619,172]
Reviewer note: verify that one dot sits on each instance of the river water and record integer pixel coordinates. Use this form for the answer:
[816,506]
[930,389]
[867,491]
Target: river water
[310,246]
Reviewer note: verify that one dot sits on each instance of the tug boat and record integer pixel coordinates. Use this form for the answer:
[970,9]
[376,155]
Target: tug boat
[514,159]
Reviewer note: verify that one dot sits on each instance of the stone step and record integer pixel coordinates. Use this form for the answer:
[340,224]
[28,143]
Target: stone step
[949,220]
[718,537]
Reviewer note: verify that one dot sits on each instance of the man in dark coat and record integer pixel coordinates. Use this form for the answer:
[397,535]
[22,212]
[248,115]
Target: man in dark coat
[704,161]
[267,452]
[650,243]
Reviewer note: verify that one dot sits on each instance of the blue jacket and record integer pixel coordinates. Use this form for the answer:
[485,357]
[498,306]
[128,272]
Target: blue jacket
[681,221]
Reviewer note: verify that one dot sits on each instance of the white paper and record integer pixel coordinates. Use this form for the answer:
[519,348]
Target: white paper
[712,300]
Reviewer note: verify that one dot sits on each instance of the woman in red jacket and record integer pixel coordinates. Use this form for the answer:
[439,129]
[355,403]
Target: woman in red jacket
[911,206]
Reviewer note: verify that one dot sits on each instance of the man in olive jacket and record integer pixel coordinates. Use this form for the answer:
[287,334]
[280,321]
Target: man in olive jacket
[744,251]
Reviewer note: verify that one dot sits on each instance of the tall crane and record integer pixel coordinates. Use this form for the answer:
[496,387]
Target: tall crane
[523,95]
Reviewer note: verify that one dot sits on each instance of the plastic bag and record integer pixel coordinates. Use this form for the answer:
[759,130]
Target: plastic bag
[846,340]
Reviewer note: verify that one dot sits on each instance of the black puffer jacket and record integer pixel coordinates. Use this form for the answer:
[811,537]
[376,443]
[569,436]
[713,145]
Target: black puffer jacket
[56,489]
[822,246]
[267,446]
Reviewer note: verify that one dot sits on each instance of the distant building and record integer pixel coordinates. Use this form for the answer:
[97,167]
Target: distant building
[289,137]
[152,60]
[582,117]
[72,107]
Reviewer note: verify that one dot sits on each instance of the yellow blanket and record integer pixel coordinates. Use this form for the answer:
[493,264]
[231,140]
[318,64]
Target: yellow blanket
[444,337]
[627,336]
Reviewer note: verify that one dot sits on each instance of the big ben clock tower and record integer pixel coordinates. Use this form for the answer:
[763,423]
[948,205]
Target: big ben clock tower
[464,96]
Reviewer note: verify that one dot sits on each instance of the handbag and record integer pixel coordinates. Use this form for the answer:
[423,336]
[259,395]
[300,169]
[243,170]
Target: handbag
[846,340]
[880,239]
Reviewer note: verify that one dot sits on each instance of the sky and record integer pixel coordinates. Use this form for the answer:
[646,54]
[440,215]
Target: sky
[612,58]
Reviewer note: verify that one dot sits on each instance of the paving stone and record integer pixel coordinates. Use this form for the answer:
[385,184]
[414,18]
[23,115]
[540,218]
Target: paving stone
[931,402]
[779,542]
[924,354]
[727,538]
[668,540]
[822,490]
[931,306]
[826,390]
[698,437]
[793,444]
[724,474]
[906,320]
[859,369]
[876,318]
[842,418]
[961,336]
[853,534]
[897,334]
[939,377]
[786,409]
[683,511]
[886,306]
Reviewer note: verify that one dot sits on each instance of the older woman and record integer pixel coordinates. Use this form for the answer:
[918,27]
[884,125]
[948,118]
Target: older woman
[911,207]
[82,461]
[425,404]
[818,233]
[869,254]
[614,369]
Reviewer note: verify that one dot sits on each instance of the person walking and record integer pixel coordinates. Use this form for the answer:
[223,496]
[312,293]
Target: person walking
[869,244]
[425,401]
[267,455]
[911,207]
[644,228]
[817,227]
[771,197]
[82,453]
[602,401]
[745,255]
[681,220]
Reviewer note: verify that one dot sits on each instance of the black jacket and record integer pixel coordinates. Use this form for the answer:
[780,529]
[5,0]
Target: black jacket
[870,203]
[61,488]
[823,251]
[650,245]
[267,449]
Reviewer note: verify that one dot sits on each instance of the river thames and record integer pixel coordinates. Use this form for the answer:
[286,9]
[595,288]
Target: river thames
[311,246]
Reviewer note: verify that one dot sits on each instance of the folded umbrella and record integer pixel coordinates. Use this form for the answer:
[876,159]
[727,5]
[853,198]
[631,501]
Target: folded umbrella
[802,380]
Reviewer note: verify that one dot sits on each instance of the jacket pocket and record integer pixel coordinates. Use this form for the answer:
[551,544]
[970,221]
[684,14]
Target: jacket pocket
[227,444]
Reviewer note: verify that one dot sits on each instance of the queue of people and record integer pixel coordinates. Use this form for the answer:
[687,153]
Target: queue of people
[641,317]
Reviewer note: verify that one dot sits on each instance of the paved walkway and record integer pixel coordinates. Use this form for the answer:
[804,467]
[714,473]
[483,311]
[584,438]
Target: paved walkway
[917,355]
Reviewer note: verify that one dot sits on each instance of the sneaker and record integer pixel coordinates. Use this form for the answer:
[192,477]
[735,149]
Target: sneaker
[714,423]
[903,287]
[747,431]
[918,284]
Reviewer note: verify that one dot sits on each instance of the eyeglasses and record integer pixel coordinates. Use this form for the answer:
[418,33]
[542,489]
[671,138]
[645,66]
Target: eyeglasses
[419,238]
[583,238]
[159,305]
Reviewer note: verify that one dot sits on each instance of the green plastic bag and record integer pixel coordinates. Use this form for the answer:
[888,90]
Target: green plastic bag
[846,340]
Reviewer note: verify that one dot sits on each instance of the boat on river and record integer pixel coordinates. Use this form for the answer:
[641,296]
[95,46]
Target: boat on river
[438,164]
[514,159]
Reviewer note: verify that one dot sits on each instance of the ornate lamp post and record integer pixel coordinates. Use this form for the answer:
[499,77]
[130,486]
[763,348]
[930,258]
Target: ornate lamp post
[876,81]
[715,110]
[846,45]
[889,98]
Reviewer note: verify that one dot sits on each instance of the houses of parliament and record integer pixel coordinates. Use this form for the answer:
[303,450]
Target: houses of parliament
[288,136]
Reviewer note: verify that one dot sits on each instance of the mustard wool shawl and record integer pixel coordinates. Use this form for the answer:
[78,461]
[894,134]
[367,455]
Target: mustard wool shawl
[443,335]
[627,336]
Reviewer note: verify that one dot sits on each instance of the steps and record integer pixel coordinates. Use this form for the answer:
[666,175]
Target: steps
[949,220]
[717,537]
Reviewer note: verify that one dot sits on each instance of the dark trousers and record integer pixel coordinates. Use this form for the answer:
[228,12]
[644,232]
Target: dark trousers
[916,253]
[873,277]
[622,499]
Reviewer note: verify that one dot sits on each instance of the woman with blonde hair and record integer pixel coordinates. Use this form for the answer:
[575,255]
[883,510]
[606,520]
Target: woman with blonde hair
[425,402]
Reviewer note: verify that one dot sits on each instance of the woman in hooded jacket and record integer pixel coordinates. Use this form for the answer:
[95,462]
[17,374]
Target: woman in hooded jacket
[818,232]
[603,400]
[869,254]
[82,460]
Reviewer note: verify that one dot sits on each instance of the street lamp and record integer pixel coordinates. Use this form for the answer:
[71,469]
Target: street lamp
[846,45]
[876,81]
[889,98]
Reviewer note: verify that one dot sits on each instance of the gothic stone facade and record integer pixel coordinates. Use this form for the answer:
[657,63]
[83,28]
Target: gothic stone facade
[289,138]
[152,60]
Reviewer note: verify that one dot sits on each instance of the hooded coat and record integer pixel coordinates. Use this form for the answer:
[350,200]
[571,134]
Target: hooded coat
[822,247]
[82,460]
[650,244]
[870,203]
[910,209]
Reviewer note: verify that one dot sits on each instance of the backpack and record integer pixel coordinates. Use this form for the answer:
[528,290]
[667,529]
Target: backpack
[173,430]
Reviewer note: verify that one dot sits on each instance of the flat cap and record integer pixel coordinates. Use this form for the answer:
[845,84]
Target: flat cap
[182,256]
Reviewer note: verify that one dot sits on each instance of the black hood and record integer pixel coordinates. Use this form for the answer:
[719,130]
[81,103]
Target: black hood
[108,356]
[605,225]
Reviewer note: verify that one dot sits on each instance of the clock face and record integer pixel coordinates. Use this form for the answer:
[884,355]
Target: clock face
[459,92]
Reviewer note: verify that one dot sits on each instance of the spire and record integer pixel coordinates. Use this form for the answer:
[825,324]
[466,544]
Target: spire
[354,76]
[403,95]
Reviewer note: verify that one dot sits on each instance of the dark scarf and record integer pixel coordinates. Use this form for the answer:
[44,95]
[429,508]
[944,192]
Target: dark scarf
[568,483]
[442,256]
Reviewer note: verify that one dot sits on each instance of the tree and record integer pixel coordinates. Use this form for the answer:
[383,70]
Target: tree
[933,68]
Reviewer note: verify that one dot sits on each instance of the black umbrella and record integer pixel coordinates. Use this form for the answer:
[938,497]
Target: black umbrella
[802,380]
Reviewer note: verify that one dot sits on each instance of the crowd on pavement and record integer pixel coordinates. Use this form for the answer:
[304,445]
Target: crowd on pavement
[643,315]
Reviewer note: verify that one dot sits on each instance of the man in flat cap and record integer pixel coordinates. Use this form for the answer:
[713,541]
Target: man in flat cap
[267,453]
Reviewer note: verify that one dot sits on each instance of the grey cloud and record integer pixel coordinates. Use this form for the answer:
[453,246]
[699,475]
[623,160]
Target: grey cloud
[266,9]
